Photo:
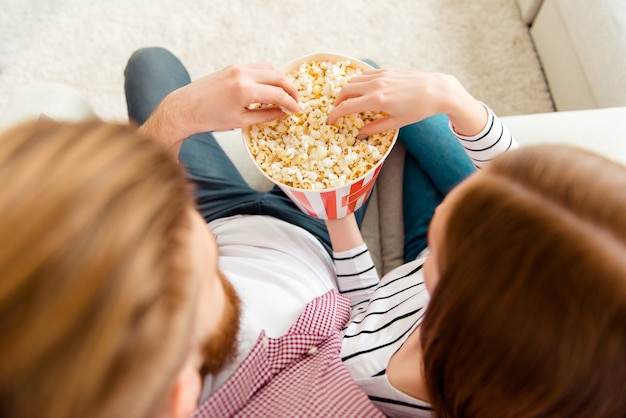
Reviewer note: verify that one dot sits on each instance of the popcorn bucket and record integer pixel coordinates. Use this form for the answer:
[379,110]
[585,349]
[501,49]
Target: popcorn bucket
[332,202]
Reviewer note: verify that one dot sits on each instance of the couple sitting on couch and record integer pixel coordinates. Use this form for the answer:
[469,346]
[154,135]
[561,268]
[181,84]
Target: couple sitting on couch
[118,300]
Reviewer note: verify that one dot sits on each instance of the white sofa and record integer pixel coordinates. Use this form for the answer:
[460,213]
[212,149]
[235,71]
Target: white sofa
[601,130]
[582,48]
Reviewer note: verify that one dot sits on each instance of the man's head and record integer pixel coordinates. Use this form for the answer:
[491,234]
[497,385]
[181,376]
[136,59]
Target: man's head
[110,292]
[528,281]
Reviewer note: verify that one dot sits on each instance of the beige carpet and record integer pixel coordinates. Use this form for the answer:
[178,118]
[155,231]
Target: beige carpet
[85,44]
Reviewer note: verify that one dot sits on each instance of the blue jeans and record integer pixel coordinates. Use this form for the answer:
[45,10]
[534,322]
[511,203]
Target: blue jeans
[435,163]
[221,191]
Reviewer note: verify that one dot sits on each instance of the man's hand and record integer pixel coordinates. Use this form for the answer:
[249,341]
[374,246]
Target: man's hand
[222,101]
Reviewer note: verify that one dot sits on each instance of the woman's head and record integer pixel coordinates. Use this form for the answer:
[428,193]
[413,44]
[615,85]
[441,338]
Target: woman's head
[98,290]
[528,313]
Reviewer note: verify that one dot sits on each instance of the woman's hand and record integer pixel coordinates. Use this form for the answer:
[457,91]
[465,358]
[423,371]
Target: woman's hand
[222,101]
[407,97]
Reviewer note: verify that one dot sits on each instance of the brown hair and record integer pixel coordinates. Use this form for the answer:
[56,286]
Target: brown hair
[528,318]
[95,298]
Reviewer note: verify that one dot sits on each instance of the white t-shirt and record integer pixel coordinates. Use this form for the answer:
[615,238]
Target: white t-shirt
[276,268]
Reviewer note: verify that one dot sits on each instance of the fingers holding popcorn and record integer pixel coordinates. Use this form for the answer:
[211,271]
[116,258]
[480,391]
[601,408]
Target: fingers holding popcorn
[285,95]
[305,152]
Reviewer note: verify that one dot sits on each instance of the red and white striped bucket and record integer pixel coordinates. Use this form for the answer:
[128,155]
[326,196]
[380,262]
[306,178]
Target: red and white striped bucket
[337,202]
[334,203]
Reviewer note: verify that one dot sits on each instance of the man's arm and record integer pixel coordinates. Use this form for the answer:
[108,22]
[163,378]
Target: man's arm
[164,125]
[221,101]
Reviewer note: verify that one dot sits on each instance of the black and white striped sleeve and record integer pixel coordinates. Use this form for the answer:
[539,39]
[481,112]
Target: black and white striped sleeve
[492,141]
[356,274]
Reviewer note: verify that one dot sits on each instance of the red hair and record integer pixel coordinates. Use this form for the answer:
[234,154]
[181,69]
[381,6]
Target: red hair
[528,318]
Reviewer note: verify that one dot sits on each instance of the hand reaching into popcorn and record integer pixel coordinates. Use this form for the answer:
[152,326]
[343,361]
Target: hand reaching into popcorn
[302,150]
[221,101]
[407,97]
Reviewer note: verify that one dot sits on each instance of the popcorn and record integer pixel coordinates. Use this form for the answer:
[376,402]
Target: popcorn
[302,151]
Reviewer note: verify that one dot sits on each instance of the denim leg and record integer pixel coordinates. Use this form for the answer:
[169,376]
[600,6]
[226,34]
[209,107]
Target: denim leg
[420,197]
[435,163]
[150,75]
[221,191]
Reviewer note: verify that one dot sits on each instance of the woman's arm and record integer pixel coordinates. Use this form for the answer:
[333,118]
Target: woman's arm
[410,96]
[493,140]
[356,274]
[407,97]
[344,233]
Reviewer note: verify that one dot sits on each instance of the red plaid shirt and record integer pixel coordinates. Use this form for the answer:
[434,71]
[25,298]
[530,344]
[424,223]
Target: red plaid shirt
[299,374]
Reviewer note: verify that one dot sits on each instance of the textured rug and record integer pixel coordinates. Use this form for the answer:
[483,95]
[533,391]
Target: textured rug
[85,44]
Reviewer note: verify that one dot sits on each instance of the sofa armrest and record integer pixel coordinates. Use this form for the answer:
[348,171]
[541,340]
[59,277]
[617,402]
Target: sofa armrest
[600,130]
[582,48]
[56,101]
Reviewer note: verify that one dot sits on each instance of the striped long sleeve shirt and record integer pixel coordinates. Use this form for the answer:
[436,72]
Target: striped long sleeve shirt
[385,312]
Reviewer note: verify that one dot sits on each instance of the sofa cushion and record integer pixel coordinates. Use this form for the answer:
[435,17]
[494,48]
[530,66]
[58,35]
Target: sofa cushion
[600,130]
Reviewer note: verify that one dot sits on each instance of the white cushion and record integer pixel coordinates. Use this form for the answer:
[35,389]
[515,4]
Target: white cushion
[56,101]
[232,144]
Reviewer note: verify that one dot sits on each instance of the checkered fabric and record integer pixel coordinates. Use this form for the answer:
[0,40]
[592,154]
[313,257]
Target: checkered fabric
[297,375]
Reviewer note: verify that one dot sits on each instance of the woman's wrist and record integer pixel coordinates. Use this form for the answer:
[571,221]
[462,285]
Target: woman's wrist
[467,115]
[344,233]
